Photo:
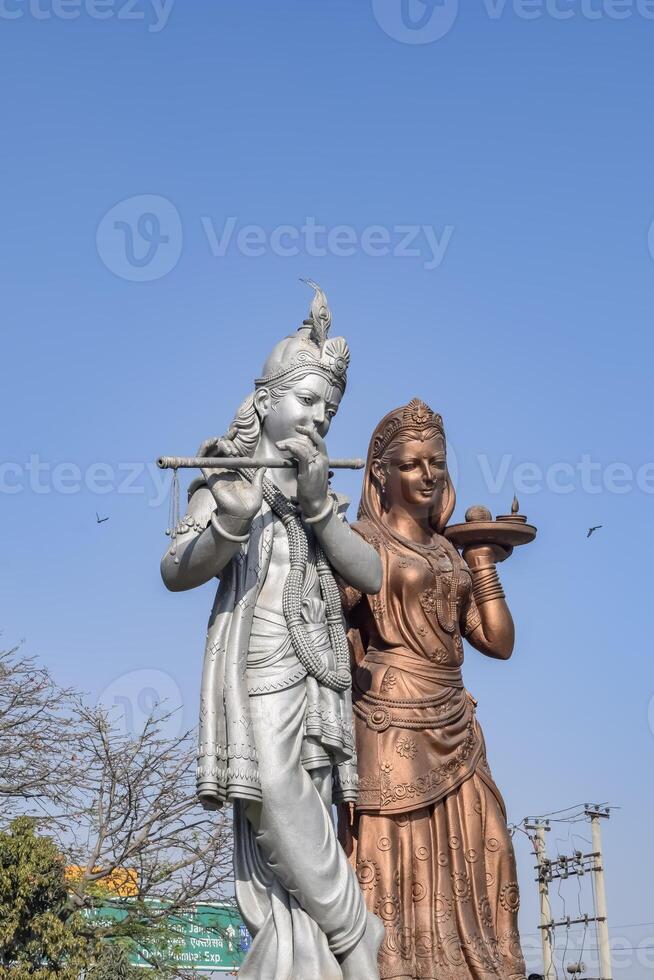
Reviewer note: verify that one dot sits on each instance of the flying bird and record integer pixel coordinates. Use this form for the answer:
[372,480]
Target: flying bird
[99,519]
[591,530]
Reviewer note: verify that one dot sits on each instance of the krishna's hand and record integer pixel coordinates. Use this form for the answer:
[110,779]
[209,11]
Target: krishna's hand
[312,469]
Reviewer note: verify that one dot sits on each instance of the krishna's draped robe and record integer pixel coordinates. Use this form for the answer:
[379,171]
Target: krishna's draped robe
[274,742]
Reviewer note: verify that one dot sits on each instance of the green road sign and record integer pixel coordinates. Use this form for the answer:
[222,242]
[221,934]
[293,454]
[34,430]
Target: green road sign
[206,938]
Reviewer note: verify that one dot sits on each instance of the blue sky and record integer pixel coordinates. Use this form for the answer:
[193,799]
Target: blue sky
[475,195]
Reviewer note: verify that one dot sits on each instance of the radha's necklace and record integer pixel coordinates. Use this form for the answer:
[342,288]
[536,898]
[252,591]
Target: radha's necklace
[439,599]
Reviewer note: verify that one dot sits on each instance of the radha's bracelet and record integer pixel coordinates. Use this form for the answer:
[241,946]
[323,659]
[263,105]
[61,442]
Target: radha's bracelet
[486,584]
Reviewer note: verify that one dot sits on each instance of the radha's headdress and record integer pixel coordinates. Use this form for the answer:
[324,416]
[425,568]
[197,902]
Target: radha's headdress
[413,421]
[416,418]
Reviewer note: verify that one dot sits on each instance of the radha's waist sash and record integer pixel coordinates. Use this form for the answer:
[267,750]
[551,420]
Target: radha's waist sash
[412,751]
[440,674]
[448,704]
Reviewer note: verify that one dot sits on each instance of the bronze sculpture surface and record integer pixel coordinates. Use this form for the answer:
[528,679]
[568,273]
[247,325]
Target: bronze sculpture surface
[428,836]
[276,716]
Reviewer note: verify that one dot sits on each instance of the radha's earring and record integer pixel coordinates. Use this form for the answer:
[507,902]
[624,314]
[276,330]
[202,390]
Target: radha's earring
[380,478]
[382,492]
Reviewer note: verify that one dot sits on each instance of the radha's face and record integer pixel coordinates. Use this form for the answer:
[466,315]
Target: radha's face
[416,474]
[312,402]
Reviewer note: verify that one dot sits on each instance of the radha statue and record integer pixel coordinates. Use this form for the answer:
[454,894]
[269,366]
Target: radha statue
[276,730]
[428,836]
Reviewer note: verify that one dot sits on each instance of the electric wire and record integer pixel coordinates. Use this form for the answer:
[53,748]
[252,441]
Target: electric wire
[572,815]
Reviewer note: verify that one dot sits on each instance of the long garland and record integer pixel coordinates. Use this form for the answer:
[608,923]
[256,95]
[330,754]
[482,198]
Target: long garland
[314,664]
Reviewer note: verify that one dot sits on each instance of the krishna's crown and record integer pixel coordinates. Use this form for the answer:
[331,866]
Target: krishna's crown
[309,351]
[416,417]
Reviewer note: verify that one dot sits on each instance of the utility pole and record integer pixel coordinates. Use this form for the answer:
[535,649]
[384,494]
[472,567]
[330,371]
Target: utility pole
[563,867]
[596,815]
[540,850]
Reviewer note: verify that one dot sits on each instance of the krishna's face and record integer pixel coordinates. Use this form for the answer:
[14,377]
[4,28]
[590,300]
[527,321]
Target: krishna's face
[312,401]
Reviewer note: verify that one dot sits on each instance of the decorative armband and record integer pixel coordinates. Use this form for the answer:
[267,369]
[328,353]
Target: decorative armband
[471,619]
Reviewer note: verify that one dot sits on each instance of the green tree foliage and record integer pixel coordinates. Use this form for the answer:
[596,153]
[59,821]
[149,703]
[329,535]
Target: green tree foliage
[41,938]
[113,964]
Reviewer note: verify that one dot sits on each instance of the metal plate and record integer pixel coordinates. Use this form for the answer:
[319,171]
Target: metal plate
[504,533]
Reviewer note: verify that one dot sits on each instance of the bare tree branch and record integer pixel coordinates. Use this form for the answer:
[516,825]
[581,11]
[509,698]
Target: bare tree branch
[36,745]
[135,810]
[120,807]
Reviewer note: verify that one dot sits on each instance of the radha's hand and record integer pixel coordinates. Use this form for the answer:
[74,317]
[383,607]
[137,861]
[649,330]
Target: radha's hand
[485,554]
[310,452]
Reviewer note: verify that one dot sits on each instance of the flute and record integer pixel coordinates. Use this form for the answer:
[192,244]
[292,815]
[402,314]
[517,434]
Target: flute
[245,462]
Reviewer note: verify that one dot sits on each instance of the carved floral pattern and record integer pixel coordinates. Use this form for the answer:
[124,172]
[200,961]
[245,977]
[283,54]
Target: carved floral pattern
[438,656]
[428,601]
[485,911]
[460,886]
[389,682]
[418,891]
[368,874]
[424,785]
[388,908]
[442,907]
[407,747]
[510,896]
